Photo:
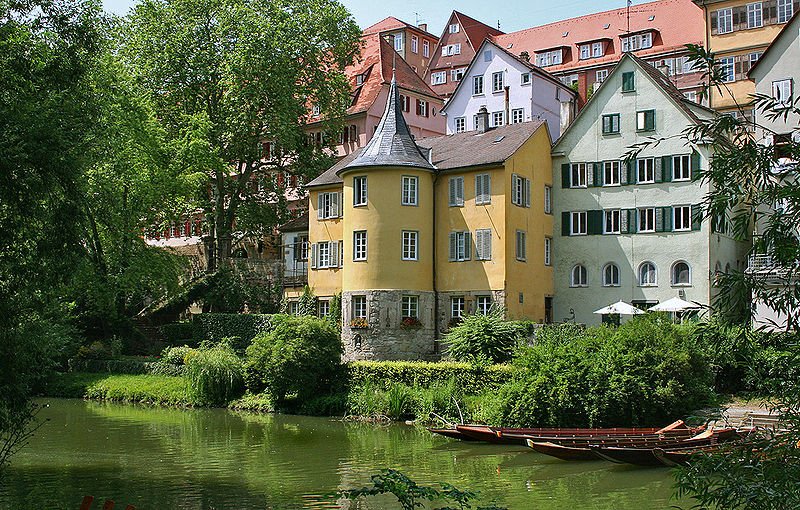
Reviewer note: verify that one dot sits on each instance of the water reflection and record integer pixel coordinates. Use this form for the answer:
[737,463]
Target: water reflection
[216,459]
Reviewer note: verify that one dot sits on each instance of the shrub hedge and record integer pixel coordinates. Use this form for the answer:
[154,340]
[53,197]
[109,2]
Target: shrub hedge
[471,379]
[240,328]
[180,333]
[111,366]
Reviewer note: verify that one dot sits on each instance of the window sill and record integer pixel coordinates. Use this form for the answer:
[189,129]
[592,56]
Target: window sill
[479,95]
[578,187]
[612,185]
[577,234]
[648,286]
[409,205]
[606,285]
[612,233]
[455,205]
[579,286]
[646,232]
[688,179]
[645,182]
[681,229]
[628,91]
[359,205]
[409,260]
[615,133]
[681,285]
[639,131]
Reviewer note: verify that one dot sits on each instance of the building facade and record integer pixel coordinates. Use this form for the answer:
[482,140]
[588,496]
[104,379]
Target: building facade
[415,234]
[413,43]
[738,32]
[512,90]
[458,44]
[633,228]
[582,51]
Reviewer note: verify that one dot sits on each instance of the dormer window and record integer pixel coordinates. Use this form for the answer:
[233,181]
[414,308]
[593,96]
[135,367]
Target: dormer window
[451,49]
[315,111]
[637,42]
[592,50]
[359,80]
[597,49]
[550,58]
[454,28]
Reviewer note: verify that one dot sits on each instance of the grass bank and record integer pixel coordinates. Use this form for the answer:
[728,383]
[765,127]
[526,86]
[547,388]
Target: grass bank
[143,388]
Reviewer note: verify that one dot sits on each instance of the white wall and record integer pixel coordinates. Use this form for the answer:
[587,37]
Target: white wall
[291,266]
[541,98]
[781,62]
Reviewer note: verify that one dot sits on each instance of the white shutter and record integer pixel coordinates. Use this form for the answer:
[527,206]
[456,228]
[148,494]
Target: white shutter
[320,206]
[483,244]
[460,190]
[467,246]
[314,256]
[453,246]
[527,192]
[659,172]
[340,249]
[479,189]
[623,221]
[452,191]
[487,188]
[339,202]
[333,250]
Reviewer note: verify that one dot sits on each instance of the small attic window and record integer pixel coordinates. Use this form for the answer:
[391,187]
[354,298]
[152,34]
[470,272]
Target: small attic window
[498,139]
[606,26]
[565,34]
[509,46]
[359,80]
[651,18]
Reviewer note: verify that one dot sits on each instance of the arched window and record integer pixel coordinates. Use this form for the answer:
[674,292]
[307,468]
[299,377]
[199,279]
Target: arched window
[681,275]
[647,274]
[728,268]
[578,277]
[611,275]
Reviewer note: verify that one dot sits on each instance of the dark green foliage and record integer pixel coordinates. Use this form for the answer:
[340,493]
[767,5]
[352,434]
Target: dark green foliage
[410,495]
[179,333]
[239,328]
[472,379]
[308,303]
[231,289]
[647,372]
[483,338]
[335,312]
[300,356]
[377,400]
[215,374]
[111,366]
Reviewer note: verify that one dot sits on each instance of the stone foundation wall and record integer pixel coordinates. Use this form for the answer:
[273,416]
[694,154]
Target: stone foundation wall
[443,321]
[386,339]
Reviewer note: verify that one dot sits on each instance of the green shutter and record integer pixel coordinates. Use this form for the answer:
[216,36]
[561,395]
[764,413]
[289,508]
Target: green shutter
[630,166]
[594,222]
[565,175]
[564,223]
[697,216]
[650,120]
[659,219]
[666,217]
[598,174]
[695,165]
[628,83]
[666,168]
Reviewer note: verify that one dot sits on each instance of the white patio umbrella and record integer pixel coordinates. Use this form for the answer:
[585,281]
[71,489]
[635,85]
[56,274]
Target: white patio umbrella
[619,308]
[675,304]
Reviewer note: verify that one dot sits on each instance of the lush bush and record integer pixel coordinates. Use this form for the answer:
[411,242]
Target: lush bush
[300,356]
[239,328]
[645,373]
[484,338]
[179,333]
[215,374]
[469,378]
[100,350]
[112,366]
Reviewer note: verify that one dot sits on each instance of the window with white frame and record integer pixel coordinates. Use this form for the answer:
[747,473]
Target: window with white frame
[517,115]
[520,191]
[497,81]
[597,49]
[453,28]
[460,246]
[483,189]
[681,168]
[611,221]
[323,308]
[611,173]
[456,191]
[414,44]
[782,91]
[422,108]
[691,95]
[483,304]
[577,175]
[359,307]
[601,75]
[521,250]
[324,258]
[646,120]
[359,245]
[525,79]
[451,49]
[682,217]
[438,78]
[611,275]
[577,226]
[498,118]
[681,274]
[410,246]
[398,42]
[477,85]
[483,244]
[647,219]
[610,123]
[410,190]
[426,49]
[461,124]
[785,10]
[726,67]
[586,51]
[724,21]
[647,274]
[578,276]
[548,246]
[548,200]
[294,308]
[457,307]
[410,307]
[645,171]
[637,42]
[549,58]
[327,205]
[360,190]
[755,15]
[315,110]
[457,74]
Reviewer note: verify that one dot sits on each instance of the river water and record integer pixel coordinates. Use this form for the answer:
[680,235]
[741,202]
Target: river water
[158,458]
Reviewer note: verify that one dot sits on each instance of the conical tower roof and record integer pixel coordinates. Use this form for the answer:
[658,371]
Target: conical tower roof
[392,143]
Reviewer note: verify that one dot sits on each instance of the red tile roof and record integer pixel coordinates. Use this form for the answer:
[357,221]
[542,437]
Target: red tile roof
[475,30]
[392,23]
[375,64]
[675,22]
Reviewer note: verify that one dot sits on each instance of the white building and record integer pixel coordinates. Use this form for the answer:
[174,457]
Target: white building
[511,89]
[633,230]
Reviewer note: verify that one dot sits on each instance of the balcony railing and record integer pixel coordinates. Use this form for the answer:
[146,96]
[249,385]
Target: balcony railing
[766,265]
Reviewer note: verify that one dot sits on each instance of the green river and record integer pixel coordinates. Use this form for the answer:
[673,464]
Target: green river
[158,458]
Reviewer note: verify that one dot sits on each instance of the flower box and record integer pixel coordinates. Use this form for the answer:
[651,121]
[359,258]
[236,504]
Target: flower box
[410,323]
[359,323]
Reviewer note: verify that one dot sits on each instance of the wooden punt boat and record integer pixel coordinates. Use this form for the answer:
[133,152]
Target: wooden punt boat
[563,452]
[451,433]
[647,456]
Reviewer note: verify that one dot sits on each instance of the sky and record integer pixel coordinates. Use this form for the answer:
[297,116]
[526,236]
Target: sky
[511,14]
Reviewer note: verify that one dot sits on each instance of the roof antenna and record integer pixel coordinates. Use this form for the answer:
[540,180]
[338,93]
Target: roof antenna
[394,59]
[628,12]
[498,24]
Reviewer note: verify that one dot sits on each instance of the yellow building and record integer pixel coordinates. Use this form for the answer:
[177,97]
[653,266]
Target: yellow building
[415,234]
[738,32]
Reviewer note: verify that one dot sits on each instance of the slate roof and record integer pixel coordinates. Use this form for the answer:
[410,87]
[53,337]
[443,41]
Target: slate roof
[677,22]
[460,150]
[392,143]
[298,224]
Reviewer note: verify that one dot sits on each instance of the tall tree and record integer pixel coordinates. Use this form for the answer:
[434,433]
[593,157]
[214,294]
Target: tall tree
[224,76]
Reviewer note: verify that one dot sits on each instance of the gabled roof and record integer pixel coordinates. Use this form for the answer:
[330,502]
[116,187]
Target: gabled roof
[461,150]
[392,23]
[299,224]
[533,68]
[475,31]
[689,108]
[392,143]
[795,20]
[375,63]
[678,22]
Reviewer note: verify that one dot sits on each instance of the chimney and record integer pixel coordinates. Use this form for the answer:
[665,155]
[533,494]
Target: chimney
[483,120]
[663,68]
[525,56]
[423,27]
